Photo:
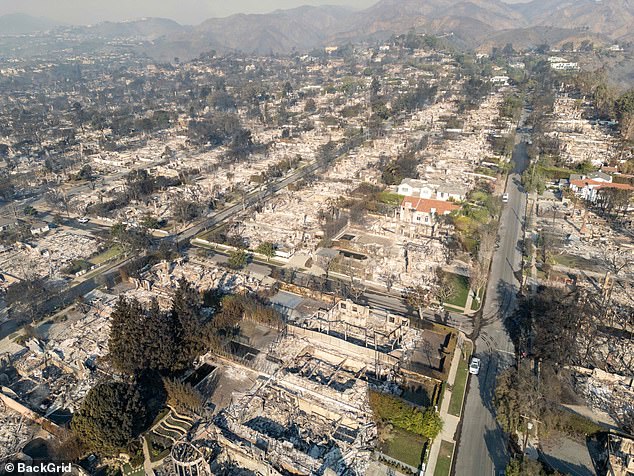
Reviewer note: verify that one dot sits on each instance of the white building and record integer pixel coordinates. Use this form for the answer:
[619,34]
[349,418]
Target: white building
[423,211]
[434,191]
[503,80]
[565,66]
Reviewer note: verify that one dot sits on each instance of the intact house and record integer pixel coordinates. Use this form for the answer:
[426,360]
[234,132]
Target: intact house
[565,66]
[423,211]
[503,80]
[435,191]
[588,187]
[39,227]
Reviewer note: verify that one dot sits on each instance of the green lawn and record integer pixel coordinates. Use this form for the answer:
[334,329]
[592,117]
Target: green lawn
[99,270]
[443,464]
[390,198]
[128,470]
[110,253]
[459,385]
[553,173]
[461,285]
[577,262]
[404,446]
[475,304]
[486,171]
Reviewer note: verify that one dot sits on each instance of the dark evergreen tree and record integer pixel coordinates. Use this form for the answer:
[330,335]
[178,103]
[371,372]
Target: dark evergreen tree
[187,311]
[148,339]
[110,417]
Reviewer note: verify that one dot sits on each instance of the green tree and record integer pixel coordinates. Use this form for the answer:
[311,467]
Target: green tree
[526,467]
[183,397]
[624,108]
[29,211]
[267,249]
[533,180]
[150,222]
[398,412]
[187,305]
[110,417]
[146,339]
[430,424]
[517,399]
[238,259]
[514,468]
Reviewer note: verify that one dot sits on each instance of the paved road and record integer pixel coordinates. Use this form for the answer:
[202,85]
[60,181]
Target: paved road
[482,447]
[182,238]
[250,199]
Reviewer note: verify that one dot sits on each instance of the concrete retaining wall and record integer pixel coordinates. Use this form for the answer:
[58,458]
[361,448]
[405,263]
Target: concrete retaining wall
[16,406]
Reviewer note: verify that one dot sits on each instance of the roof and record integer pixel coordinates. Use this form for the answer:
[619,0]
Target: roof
[38,224]
[416,183]
[451,187]
[585,183]
[426,205]
[447,187]
[621,186]
[600,175]
[599,185]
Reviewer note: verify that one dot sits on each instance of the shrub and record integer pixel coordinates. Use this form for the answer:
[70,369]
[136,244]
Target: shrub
[391,409]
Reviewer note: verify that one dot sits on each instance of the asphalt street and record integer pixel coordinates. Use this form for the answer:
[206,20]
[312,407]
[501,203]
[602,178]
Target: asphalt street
[183,238]
[252,198]
[482,449]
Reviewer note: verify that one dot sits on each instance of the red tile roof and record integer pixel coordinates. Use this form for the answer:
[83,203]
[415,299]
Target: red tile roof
[622,186]
[425,205]
[599,185]
[585,182]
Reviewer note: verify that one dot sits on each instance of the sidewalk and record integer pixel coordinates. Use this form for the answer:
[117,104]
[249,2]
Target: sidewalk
[450,422]
[468,304]
[147,461]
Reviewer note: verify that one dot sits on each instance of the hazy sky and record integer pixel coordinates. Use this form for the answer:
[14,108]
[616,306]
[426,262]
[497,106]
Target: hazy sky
[183,11]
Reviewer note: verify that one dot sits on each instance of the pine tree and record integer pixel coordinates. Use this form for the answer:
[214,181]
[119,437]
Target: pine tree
[187,311]
[128,339]
[110,417]
[147,338]
[144,339]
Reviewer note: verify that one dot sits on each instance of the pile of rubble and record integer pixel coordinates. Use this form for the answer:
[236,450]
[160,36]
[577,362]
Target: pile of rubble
[82,340]
[580,139]
[611,393]
[457,159]
[15,431]
[48,255]
[161,280]
[292,219]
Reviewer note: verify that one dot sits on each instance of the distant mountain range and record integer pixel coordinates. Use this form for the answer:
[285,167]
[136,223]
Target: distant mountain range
[21,24]
[474,23]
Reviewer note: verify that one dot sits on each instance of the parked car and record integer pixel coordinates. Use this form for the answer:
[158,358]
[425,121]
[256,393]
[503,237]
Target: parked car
[474,366]
[505,198]
[83,220]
